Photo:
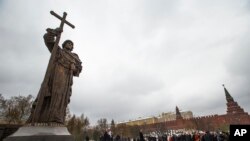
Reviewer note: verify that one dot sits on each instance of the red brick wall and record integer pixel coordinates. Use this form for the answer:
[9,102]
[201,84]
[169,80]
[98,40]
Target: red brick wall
[213,122]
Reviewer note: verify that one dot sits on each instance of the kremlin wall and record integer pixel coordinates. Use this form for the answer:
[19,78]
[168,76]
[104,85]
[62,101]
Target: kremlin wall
[185,120]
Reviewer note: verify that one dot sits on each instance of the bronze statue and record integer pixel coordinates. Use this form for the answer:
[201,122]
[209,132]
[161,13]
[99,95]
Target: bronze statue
[54,94]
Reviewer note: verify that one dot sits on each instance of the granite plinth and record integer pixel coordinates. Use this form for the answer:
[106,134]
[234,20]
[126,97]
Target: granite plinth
[40,133]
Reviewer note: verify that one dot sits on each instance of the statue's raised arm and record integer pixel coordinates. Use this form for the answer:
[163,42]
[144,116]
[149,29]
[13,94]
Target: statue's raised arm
[50,37]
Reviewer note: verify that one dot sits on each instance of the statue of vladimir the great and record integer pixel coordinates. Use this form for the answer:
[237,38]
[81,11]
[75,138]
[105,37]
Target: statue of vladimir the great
[54,94]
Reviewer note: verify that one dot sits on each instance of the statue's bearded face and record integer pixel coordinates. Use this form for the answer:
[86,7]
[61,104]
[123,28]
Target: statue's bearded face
[69,46]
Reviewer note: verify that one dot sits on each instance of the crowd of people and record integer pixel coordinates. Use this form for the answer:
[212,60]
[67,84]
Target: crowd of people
[195,136]
[173,135]
[189,135]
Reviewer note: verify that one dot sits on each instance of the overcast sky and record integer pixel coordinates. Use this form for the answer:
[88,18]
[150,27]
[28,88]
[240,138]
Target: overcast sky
[140,57]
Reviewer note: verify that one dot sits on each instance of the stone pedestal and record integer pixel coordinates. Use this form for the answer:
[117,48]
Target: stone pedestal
[41,133]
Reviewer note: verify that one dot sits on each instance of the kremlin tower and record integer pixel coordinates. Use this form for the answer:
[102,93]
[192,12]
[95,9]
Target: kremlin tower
[232,106]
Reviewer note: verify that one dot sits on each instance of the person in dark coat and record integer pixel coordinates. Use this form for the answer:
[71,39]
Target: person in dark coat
[141,136]
[87,138]
[207,137]
[117,138]
[106,136]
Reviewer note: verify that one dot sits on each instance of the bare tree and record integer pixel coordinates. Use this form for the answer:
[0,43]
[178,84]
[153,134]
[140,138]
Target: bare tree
[76,126]
[2,103]
[16,109]
[102,124]
[112,127]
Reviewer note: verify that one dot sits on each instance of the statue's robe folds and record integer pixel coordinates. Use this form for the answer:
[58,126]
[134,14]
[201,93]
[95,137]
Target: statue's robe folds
[54,96]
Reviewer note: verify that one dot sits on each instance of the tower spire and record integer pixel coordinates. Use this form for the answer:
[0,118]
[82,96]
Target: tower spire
[178,113]
[232,106]
[228,96]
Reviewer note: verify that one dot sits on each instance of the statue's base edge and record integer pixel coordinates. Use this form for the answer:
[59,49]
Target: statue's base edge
[41,138]
[40,133]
